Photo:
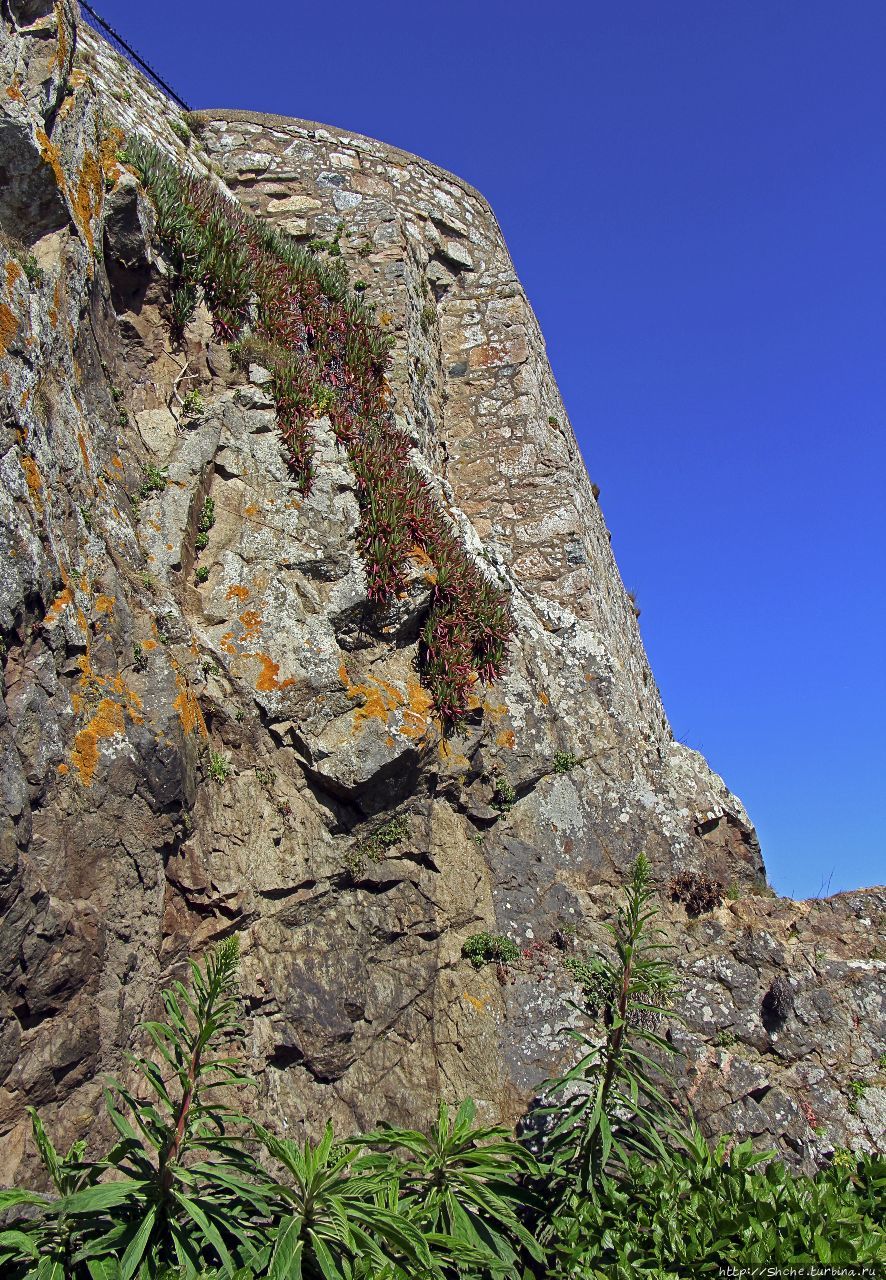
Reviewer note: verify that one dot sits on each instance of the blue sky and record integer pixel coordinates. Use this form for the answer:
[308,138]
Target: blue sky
[693,194]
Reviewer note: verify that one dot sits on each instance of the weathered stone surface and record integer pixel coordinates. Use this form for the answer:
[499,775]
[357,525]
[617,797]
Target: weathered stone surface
[120,855]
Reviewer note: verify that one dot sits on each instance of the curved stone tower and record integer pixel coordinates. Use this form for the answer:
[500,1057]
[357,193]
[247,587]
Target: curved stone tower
[255,752]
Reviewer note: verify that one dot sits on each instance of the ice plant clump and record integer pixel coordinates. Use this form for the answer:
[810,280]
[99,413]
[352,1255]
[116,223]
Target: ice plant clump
[291,309]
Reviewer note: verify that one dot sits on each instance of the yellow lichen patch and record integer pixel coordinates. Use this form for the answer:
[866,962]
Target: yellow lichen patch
[13,273]
[149,645]
[24,398]
[62,49]
[7,379]
[13,91]
[8,328]
[267,681]
[416,713]
[61,601]
[420,556]
[251,510]
[236,592]
[89,196]
[106,723]
[506,739]
[105,604]
[379,698]
[188,708]
[115,462]
[110,146]
[50,155]
[478,1004]
[252,624]
[34,480]
[83,453]
[544,699]
[226,643]
[62,768]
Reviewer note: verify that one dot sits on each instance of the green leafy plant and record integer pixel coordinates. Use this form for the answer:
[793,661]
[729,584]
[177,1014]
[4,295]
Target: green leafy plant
[489,948]
[154,480]
[335,1209]
[181,1192]
[193,405]
[201,573]
[181,131]
[606,1102]
[705,1209]
[463,1181]
[856,1089]
[219,766]
[504,796]
[32,270]
[565,761]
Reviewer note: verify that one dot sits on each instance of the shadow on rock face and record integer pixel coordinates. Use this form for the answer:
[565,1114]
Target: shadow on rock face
[776,1005]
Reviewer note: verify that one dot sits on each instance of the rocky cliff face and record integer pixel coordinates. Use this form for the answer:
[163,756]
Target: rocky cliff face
[250,748]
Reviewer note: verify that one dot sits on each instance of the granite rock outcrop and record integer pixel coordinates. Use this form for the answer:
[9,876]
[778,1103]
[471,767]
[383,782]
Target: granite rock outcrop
[250,747]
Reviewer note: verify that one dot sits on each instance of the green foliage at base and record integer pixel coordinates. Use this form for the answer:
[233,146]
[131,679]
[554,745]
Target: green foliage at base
[613,1185]
[703,1210]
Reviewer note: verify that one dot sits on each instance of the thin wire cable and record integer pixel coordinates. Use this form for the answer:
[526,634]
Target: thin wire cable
[135,57]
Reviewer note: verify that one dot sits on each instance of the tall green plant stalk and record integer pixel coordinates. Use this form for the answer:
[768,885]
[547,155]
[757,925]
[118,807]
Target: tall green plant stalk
[181,1190]
[608,1102]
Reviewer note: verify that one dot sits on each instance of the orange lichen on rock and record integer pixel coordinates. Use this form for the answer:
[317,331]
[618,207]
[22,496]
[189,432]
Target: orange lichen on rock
[13,273]
[7,379]
[111,144]
[236,592]
[416,712]
[83,453]
[379,698]
[267,681]
[8,328]
[105,604]
[13,90]
[34,481]
[478,1004]
[252,624]
[506,739]
[61,601]
[188,707]
[87,201]
[62,48]
[50,155]
[106,723]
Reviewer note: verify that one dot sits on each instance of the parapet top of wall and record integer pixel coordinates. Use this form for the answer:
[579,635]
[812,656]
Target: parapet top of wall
[359,141]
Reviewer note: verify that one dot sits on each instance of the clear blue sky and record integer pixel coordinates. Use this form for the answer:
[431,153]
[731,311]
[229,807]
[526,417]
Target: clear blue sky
[694,195]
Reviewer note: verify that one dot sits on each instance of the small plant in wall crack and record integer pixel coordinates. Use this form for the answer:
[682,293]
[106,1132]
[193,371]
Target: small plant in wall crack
[489,948]
[193,406]
[154,480]
[565,761]
[204,524]
[504,797]
[375,846]
[219,766]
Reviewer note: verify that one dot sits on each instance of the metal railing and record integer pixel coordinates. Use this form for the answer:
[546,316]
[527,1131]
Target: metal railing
[98,23]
